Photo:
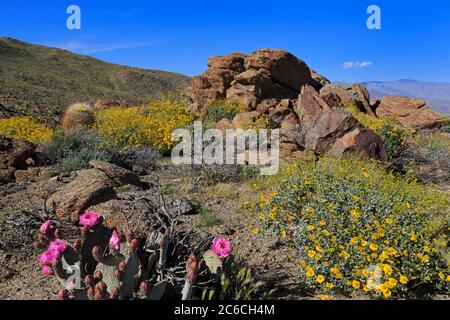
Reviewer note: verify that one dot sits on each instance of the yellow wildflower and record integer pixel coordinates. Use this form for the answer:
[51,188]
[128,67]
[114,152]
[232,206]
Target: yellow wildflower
[356,284]
[309,272]
[403,279]
[320,278]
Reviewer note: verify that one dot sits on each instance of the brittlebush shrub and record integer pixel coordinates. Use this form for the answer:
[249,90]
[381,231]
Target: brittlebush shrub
[26,129]
[142,126]
[358,229]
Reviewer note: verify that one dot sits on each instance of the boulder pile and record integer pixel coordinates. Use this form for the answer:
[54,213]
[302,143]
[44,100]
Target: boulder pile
[18,158]
[278,87]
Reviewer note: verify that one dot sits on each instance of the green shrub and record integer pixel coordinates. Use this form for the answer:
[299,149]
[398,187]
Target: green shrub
[394,138]
[427,158]
[79,159]
[435,142]
[223,109]
[74,149]
[206,219]
[358,229]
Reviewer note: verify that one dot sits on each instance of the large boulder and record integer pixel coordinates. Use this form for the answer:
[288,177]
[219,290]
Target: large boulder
[338,133]
[309,104]
[119,176]
[354,94]
[361,142]
[284,68]
[90,187]
[321,134]
[414,113]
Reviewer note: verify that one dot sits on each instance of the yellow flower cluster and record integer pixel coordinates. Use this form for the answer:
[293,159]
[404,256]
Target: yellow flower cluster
[26,129]
[139,126]
[358,229]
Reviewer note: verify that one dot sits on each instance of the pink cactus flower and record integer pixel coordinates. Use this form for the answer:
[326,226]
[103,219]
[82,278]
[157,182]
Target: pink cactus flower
[45,227]
[114,242]
[60,246]
[221,246]
[49,256]
[46,270]
[89,219]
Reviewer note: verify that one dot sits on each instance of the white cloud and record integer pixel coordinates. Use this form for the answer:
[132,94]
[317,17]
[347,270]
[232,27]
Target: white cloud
[84,48]
[356,64]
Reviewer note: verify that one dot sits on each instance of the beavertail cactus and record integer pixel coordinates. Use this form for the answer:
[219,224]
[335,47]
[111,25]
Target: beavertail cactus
[105,264]
[78,115]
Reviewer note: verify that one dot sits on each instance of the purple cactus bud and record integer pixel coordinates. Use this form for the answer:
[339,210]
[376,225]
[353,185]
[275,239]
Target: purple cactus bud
[84,231]
[192,267]
[42,237]
[91,293]
[129,235]
[76,244]
[100,287]
[88,280]
[97,253]
[47,271]
[98,296]
[144,287]
[45,227]
[118,274]
[114,293]
[63,294]
[133,245]
[122,265]
[98,276]
[57,233]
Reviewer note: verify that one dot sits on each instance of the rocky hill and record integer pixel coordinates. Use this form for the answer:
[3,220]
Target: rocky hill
[41,81]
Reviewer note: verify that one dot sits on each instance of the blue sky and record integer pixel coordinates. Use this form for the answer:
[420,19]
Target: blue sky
[413,43]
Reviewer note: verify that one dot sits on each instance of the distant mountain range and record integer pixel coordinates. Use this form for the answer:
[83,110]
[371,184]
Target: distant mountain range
[40,81]
[436,94]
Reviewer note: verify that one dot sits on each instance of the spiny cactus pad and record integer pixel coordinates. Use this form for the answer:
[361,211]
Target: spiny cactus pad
[103,264]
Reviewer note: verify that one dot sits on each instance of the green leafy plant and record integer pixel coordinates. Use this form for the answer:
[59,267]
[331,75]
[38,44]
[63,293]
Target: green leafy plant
[222,109]
[394,138]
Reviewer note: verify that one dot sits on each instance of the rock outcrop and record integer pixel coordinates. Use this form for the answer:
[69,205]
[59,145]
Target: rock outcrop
[17,155]
[354,94]
[281,90]
[414,113]
[251,79]
[338,133]
[90,187]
